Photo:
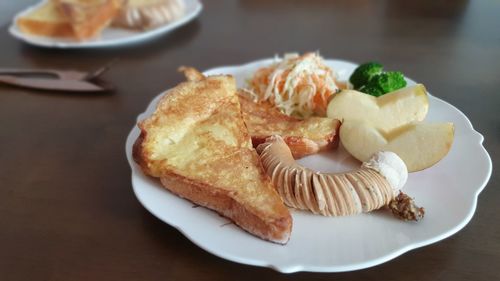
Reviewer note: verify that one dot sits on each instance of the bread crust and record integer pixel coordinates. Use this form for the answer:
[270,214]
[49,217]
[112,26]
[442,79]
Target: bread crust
[72,19]
[230,179]
[88,22]
[222,201]
[138,152]
[303,146]
[304,137]
[41,28]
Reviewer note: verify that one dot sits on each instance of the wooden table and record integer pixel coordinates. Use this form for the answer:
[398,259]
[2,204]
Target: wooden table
[67,210]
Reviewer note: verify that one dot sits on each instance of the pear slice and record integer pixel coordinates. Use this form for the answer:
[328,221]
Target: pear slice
[386,112]
[420,145]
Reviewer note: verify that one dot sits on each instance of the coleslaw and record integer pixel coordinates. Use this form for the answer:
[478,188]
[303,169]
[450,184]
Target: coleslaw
[298,85]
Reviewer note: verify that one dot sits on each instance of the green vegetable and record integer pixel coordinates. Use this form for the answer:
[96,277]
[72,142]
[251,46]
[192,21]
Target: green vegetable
[370,79]
[389,81]
[372,90]
[364,73]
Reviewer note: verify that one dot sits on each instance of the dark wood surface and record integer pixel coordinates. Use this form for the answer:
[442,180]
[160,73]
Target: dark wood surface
[67,210]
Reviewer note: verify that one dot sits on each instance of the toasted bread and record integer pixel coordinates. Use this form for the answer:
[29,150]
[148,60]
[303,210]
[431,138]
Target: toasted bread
[89,17]
[197,144]
[46,20]
[304,137]
[145,14]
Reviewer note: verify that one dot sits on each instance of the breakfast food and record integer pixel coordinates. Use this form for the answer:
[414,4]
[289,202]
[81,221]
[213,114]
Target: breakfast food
[71,19]
[199,143]
[370,78]
[303,136]
[374,185]
[391,122]
[89,17]
[196,142]
[82,20]
[297,85]
[145,14]
[420,145]
[385,112]
[46,20]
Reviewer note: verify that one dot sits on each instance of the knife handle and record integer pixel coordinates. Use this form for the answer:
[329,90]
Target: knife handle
[52,84]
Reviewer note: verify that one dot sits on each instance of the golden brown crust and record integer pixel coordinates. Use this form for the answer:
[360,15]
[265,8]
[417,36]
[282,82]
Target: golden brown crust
[138,152]
[73,19]
[304,137]
[272,228]
[41,28]
[196,142]
[191,73]
[88,20]
[302,146]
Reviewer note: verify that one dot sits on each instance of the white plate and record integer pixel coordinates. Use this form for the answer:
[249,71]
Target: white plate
[448,191]
[111,36]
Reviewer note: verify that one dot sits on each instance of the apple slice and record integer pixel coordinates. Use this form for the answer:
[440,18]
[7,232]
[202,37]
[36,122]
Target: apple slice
[386,112]
[420,145]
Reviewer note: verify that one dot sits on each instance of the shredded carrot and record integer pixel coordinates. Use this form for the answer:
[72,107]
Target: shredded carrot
[297,85]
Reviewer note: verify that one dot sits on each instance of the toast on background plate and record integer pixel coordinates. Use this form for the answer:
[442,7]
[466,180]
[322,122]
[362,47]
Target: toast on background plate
[89,17]
[146,14]
[303,137]
[197,143]
[46,20]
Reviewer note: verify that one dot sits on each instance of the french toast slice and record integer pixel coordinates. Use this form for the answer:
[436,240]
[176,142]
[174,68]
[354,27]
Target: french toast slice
[45,20]
[303,137]
[197,144]
[89,17]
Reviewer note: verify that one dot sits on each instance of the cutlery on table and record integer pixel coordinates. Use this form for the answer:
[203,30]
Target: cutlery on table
[57,80]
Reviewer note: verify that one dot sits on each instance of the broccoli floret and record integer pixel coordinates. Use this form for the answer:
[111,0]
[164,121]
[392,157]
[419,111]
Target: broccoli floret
[384,83]
[370,78]
[372,90]
[364,73]
[388,81]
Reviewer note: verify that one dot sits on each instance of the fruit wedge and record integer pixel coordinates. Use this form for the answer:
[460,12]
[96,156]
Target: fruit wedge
[386,112]
[420,145]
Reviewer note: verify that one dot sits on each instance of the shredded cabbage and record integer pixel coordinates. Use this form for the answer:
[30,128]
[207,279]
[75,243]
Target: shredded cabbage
[297,85]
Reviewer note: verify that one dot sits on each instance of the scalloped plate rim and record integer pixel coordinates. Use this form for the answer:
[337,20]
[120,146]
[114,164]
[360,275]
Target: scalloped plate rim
[290,268]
